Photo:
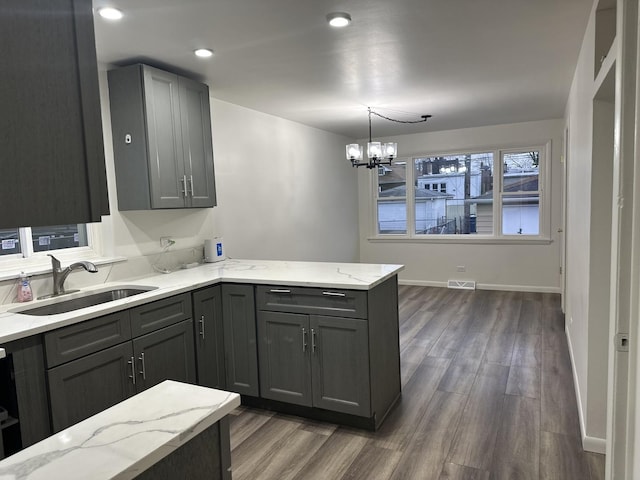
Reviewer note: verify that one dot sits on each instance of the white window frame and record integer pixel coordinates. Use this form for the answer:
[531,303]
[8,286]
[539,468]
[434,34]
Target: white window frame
[544,188]
[38,262]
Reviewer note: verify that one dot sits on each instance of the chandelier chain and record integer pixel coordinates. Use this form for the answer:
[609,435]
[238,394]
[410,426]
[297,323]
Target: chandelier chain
[423,118]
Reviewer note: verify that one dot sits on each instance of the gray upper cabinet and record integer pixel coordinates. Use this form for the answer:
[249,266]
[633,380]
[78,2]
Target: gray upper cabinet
[52,147]
[162,140]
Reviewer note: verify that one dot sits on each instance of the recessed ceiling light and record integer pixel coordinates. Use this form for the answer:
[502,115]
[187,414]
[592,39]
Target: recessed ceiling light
[203,52]
[110,13]
[339,19]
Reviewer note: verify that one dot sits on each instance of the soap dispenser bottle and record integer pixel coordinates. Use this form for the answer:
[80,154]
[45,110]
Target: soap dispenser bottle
[24,289]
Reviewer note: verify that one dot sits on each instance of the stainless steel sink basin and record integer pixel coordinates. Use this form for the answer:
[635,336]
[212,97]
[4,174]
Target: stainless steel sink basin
[87,300]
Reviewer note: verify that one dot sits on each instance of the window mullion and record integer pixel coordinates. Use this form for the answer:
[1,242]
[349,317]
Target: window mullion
[411,201]
[26,241]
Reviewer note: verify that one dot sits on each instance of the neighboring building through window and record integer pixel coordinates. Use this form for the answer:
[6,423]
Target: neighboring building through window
[24,242]
[463,194]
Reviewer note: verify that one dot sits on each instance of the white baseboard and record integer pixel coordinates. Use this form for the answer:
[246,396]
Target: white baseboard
[484,286]
[589,444]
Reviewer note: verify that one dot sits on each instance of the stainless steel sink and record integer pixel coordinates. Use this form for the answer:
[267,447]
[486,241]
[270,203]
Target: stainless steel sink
[85,300]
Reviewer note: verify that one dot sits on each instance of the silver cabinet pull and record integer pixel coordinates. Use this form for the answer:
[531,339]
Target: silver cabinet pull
[185,192]
[313,340]
[280,290]
[191,184]
[334,294]
[132,362]
[201,326]
[144,370]
[304,340]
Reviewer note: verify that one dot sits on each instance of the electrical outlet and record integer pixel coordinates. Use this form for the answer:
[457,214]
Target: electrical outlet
[166,242]
[461,268]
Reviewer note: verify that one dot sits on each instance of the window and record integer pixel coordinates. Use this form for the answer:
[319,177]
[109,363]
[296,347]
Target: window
[392,199]
[24,242]
[464,194]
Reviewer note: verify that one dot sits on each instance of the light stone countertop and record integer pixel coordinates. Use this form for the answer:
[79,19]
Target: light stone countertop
[350,276]
[126,439]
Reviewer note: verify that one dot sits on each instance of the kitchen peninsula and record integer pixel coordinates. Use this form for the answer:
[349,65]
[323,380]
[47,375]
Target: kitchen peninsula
[309,338]
[172,430]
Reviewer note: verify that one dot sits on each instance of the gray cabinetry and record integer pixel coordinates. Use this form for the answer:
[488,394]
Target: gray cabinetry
[98,363]
[332,351]
[284,357]
[207,314]
[50,118]
[90,384]
[165,355]
[161,139]
[239,327]
[315,360]
[340,364]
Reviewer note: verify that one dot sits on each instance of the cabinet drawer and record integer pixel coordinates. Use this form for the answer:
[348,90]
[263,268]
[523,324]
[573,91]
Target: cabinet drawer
[75,341]
[152,316]
[320,301]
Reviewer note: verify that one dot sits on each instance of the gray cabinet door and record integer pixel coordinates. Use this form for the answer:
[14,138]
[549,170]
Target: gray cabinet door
[283,349]
[239,326]
[196,143]
[167,354]
[340,364]
[86,386]
[207,313]
[166,166]
[52,144]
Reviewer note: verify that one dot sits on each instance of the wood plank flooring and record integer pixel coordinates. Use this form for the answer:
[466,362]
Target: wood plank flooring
[487,393]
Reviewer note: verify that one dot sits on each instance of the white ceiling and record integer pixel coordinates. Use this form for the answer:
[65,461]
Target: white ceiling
[466,62]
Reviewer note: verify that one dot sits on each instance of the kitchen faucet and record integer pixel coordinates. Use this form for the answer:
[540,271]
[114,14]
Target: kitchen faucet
[60,274]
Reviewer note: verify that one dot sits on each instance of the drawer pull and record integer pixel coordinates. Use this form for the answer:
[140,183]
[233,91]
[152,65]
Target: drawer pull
[201,321]
[304,340]
[133,370]
[144,370]
[280,290]
[334,294]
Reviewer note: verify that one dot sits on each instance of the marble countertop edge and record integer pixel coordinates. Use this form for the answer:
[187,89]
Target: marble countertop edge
[126,439]
[348,276]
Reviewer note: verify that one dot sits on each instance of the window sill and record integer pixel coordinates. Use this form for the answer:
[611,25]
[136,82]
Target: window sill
[41,264]
[462,239]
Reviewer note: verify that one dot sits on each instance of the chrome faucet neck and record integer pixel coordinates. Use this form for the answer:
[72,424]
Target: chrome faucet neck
[60,274]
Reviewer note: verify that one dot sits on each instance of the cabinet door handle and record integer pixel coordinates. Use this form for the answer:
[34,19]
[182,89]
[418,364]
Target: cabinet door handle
[191,184]
[280,290]
[144,370]
[202,326]
[304,340]
[313,340]
[334,294]
[185,192]
[132,362]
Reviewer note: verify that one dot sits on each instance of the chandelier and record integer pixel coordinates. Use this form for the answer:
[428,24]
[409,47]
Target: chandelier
[377,153]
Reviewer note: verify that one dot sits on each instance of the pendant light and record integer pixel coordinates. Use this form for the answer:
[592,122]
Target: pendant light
[377,153]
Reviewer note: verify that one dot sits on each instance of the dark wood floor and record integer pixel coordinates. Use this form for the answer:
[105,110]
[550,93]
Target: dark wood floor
[487,393]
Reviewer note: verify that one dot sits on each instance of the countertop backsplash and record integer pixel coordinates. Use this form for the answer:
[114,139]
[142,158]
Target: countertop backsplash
[131,269]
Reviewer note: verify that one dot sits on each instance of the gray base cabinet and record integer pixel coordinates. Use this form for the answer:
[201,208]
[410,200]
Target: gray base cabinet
[85,377]
[333,350]
[239,327]
[162,145]
[340,364]
[207,314]
[91,384]
[315,361]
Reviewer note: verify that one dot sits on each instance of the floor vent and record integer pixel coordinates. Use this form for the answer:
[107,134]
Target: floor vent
[462,284]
